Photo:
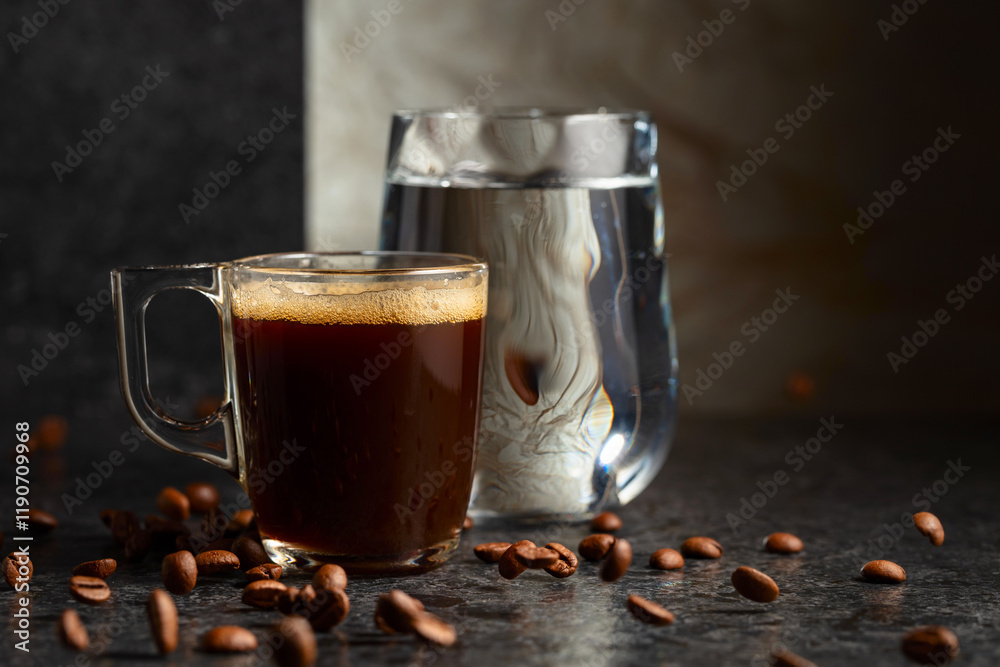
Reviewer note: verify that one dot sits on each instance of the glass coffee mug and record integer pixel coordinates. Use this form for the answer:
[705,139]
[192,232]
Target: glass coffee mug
[353,384]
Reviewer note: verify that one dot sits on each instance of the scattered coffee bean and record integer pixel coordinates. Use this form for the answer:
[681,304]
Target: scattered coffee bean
[329,608]
[183,543]
[789,659]
[930,645]
[89,589]
[567,563]
[202,496]
[398,612]
[783,543]
[701,547]
[250,552]
[596,547]
[490,552]
[72,632]
[214,525]
[221,544]
[883,572]
[754,584]
[102,569]
[13,564]
[240,522]
[41,521]
[288,600]
[434,629]
[298,648]
[138,545]
[535,558]
[605,522]
[228,639]
[666,559]
[307,594]
[173,503]
[107,516]
[266,571]
[330,576]
[124,524]
[648,611]
[179,572]
[618,561]
[165,531]
[509,566]
[468,523]
[216,562]
[263,593]
[930,526]
[163,625]
[51,432]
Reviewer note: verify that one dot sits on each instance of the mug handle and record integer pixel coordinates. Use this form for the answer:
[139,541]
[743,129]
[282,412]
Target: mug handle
[212,439]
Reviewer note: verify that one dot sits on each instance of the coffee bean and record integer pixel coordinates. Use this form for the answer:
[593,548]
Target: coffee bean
[509,566]
[330,576]
[124,524]
[138,545]
[567,563]
[648,611]
[883,572]
[605,522]
[228,639]
[163,625]
[165,531]
[534,558]
[216,562]
[783,543]
[202,496]
[179,572]
[12,566]
[754,584]
[266,571]
[89,589]
[618,561]
[240,522]
[183,543]
[434,629]
[221,544]
[398,612]
[298,645]
[72,632]
[41,521]
[107,516]
[287,601]
[468,523]
[263,593]
[250,552]
[930,526]
[102,569]
[490,552]
[173,503]
[930,645]
[666,559]
[329,608]
[51,432]
[789,659]
[701,547]
[596,547]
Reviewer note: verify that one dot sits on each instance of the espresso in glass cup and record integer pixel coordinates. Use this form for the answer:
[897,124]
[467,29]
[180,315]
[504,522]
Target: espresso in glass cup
[353,386]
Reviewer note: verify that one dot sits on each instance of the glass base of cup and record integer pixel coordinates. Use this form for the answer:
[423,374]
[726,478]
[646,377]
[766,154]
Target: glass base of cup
[292,556]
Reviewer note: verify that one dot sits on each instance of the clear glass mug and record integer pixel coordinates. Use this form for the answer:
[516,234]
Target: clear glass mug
[353,385]
[580,385]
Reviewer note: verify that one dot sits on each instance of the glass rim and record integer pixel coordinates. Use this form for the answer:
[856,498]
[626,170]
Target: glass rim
[463,263]
[527,113]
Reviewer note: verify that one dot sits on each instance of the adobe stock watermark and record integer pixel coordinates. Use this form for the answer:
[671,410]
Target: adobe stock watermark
[696,44]
[121,108]
[786,126]
[797,457]
[249,149]
[562,12]
[957,297]
[752,330]
[915,167]
[372,368]
[30,25]
[223,7]
[442,133]
[363,35]
[900,14]
[416,496]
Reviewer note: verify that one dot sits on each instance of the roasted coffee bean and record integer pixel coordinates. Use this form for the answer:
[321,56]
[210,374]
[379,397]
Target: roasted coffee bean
[789,659]
[263,593]
[51,432]
[202,496]
[266,571]
[701,547]
[930,526]
[17,566]
[163,625]
[509,566]
[883,572]
[228,639]
[216,562]
[250,552]
[124,524]
[183,543]
[618,561]
[567,563]
[434,629]
[165,531]
[102,569]
[41,521]
[666,559]
[930,645]
[89,589]
[72,632]
[398,612]
[298,645]
[138,545]
[490,552]
[179,572]
[239,522]
[596,547]
[468,524]
[754,584]
[173,503]
[307,594]
[329,608]
[107,516]
[330,576]
[534,558]
[605,522]
[215,524]
[783,543]
[287,600]
[221,544]
[648,611]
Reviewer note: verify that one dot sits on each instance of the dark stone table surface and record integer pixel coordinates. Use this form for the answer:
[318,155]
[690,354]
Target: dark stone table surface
[840,501]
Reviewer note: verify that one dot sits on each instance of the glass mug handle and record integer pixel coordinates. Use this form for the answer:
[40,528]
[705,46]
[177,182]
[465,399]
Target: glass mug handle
[212,439]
